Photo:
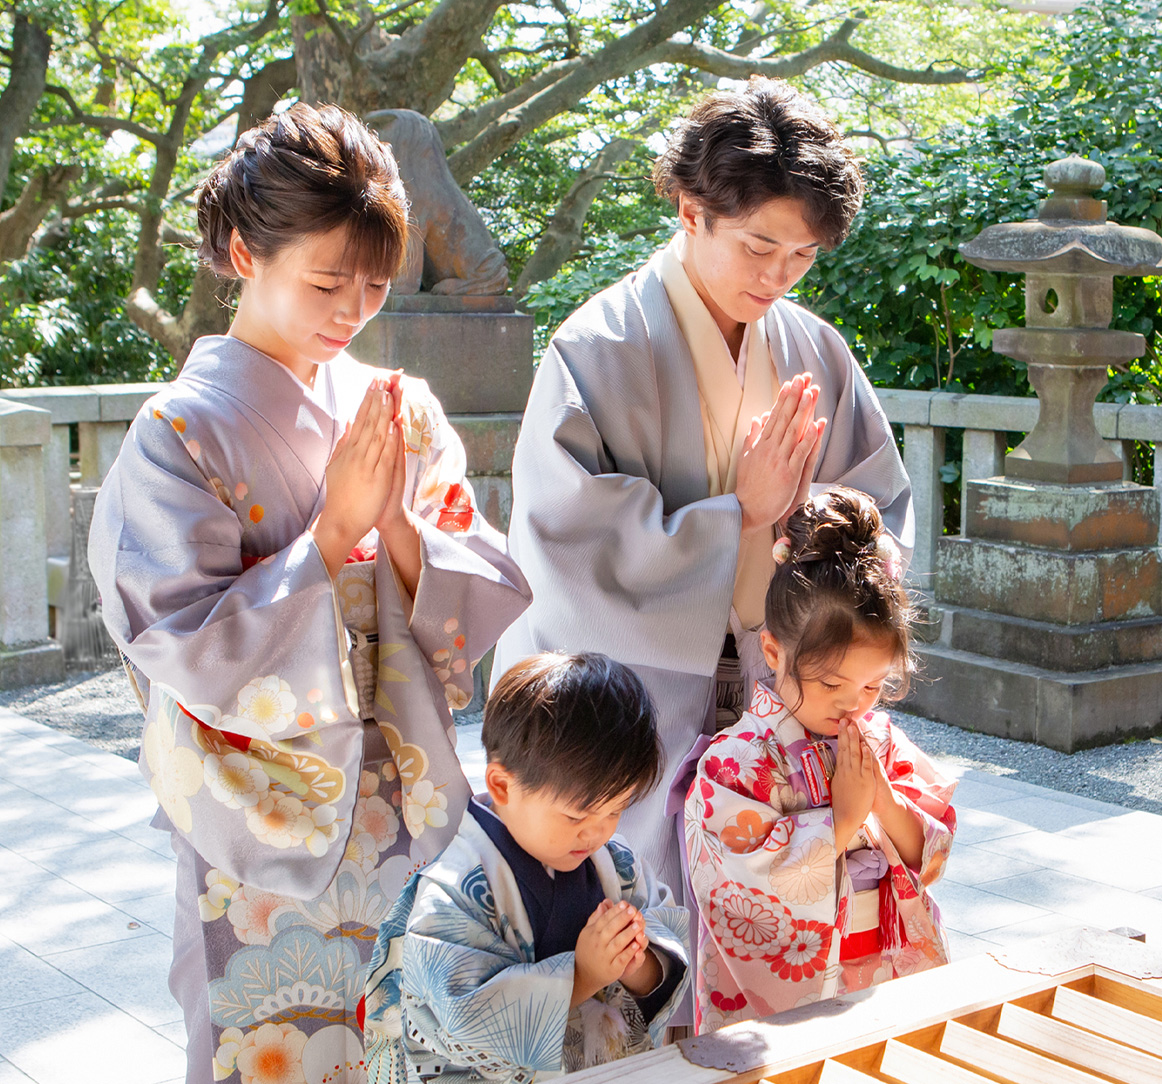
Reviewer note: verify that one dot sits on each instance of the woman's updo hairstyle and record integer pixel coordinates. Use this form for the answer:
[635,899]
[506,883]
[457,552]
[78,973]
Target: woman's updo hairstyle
[839,583]
[303,172]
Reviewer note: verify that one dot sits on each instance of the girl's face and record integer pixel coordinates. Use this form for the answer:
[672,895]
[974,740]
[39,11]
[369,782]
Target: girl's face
[846,688]
[303,306]
[745,264]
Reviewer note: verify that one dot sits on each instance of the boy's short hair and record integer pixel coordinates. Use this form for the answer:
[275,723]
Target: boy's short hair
[580,727]
[739,149]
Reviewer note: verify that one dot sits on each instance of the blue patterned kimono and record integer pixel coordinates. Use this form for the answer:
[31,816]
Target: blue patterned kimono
[455,989]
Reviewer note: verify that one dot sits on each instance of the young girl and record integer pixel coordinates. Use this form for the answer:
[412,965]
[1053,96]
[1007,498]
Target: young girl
[293,564]
[813,826]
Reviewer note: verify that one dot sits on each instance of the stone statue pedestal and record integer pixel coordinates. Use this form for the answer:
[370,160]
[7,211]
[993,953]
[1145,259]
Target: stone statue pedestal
[1047,625]
[476,353]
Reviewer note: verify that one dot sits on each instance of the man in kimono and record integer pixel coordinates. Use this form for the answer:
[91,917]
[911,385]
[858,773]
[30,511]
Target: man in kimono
[536,943]
[677,418]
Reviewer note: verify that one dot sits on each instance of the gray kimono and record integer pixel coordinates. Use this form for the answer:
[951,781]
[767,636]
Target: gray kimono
[297,730]
[612,523]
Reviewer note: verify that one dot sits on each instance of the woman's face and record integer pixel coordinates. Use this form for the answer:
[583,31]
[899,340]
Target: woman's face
[305,305]
[743,265]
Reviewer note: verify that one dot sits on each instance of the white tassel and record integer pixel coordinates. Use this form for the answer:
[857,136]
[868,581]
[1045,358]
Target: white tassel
[605,1035]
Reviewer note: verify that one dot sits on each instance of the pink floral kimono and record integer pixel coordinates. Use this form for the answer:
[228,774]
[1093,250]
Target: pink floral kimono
[784,920]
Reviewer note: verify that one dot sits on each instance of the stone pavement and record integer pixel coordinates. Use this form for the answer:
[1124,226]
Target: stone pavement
[86,897]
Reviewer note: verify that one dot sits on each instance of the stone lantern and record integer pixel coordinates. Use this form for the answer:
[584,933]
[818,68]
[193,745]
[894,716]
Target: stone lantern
[1069,254]
[1048,616]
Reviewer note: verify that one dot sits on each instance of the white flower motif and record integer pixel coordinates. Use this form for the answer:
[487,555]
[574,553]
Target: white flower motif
[213,902]
[806,875]
[377,819]
[252,913]
[229,1043]
[368,784]
[457,698]
[424,806]
[361,850]
[282,820]
[176,772]
[320,1054]
[235,780]
[269,702]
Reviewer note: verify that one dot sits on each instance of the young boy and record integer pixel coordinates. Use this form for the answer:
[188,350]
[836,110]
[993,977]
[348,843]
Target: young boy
[536,942]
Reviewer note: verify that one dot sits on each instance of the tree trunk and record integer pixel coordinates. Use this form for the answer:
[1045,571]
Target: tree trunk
[206,313]
[18,225]
[414,70]
[30,51]
[563,236]
[264,90]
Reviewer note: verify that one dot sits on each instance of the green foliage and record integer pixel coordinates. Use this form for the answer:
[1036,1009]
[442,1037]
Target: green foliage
[914,311]
[62,318]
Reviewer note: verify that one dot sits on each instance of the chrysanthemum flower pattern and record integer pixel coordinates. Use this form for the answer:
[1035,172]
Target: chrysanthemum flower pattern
[763,869]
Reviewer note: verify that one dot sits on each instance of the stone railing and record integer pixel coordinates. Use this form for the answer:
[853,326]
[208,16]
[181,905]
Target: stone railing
[39,427]
[926,417]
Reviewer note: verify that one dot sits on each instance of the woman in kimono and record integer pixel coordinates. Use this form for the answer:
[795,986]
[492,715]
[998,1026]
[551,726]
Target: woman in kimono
[814,827]
[677,417]
[295,569]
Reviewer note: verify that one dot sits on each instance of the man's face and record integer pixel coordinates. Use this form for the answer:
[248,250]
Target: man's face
[743,265]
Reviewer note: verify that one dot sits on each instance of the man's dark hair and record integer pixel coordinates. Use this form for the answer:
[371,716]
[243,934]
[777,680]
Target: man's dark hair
[739,149]
[303,172]
[580,727]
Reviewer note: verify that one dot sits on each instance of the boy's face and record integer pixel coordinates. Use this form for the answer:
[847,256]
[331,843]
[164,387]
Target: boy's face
[554,830]
[743,265]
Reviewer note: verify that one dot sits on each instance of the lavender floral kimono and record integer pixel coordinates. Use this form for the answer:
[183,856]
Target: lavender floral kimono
[779,911]
[297,731]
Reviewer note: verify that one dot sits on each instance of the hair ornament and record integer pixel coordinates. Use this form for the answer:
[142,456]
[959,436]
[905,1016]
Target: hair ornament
[889,553]
[781,551]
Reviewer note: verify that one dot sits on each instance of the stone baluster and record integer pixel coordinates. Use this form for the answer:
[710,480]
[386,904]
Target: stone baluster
[27,656]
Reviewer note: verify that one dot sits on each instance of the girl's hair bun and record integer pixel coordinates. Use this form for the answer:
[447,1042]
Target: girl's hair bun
[838,579]
[839,524]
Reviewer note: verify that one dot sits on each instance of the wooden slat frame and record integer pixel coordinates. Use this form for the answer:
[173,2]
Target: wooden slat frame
[910,1065]
[1078,1047]
[1120,1024]
[1007,1060]
[791,1048]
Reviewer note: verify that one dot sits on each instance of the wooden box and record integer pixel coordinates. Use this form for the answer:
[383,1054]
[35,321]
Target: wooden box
[1077,1008]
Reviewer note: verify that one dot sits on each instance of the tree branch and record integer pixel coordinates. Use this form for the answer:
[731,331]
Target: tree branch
[469,123]
[621,55]
[563,235]
[836,48]
[20,222]
[101,122]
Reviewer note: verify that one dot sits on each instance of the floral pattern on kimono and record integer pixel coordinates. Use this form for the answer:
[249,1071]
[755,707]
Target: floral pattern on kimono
[297,734]
[773,897]
[455,987]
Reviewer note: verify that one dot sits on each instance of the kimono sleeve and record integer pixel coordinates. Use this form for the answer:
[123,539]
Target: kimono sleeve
[469,998]
[252,742]
[621,571]
[470,589]
[928,792]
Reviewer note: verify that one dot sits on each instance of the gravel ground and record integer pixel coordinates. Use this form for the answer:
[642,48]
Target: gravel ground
[100,708]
